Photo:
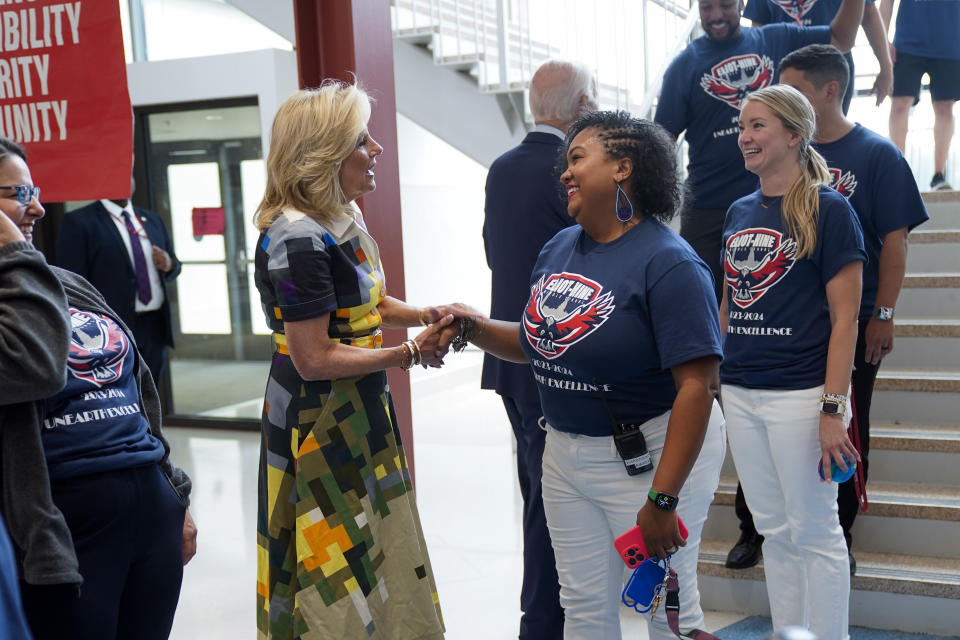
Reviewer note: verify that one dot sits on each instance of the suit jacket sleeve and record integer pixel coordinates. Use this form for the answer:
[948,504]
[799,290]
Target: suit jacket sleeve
[160,237]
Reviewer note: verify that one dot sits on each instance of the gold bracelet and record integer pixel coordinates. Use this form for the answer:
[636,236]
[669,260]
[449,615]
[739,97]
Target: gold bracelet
[423,322]
[406,358]
[417,356]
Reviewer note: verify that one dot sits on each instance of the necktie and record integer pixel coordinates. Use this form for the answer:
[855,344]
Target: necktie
[139,262]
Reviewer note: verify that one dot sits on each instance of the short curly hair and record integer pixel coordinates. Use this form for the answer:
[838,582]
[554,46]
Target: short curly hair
[655,184]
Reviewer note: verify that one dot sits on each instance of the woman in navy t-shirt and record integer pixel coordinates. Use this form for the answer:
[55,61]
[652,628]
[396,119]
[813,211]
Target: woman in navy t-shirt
[793,257]
[94,506]
[621,328]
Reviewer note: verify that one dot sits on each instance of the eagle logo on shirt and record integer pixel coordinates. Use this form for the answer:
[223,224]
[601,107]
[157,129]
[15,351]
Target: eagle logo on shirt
[796,9]
[563,309]
[735,78]
[97,348]
[755,260]
[843,181]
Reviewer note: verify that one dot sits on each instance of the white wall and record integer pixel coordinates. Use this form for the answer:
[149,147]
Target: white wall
[441,193]
[268,74]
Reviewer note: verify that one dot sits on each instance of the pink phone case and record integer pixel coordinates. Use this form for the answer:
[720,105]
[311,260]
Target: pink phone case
[631,548]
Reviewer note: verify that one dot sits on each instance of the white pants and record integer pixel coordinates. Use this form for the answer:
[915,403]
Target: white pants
[589,500]
[775,442]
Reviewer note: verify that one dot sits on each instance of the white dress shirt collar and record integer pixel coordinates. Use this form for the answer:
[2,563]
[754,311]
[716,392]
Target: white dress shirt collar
[547,128]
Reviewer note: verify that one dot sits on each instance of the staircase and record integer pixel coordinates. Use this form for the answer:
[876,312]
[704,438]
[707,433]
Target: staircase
[491,48]
[907,545]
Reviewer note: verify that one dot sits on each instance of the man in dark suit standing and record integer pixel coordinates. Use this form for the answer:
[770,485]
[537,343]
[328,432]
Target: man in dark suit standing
[126,253]
[524,209]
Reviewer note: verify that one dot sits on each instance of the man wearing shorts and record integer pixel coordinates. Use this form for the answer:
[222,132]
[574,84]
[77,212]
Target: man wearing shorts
[927,41]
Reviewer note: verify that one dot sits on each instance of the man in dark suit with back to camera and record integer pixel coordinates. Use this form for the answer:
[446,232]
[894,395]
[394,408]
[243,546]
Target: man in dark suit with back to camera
[126,253]
[524,209]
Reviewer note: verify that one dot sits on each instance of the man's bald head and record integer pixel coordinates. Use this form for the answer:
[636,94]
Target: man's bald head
[560,91]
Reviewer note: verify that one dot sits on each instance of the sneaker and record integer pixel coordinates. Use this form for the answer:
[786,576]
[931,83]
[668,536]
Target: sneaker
[939,183]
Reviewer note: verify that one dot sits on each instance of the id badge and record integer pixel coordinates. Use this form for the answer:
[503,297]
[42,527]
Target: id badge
[643,585]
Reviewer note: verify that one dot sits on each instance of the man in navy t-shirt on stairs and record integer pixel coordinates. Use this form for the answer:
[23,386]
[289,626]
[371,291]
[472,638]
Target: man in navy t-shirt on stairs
[811,13]
[873,175]
[926,42]
[702,92]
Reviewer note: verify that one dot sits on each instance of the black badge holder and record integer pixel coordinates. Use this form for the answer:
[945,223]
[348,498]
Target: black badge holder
[630,443]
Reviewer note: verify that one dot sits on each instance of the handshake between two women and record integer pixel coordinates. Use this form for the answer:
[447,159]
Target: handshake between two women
[455,325]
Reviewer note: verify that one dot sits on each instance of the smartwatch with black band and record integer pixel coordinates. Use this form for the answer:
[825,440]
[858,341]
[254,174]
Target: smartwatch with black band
[662,500]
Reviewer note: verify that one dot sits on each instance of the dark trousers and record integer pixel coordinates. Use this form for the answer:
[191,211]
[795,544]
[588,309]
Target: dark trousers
[703,230]
[149,331]
[542,617]
[127,529]
[861,383]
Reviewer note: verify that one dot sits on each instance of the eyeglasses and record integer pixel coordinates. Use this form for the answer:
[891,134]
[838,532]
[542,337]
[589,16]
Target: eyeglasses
[25,193]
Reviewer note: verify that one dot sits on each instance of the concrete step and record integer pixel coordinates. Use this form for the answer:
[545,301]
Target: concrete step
[420,35]
[916,397]
[890,591]
[914,407]
[930,353]
[915,437]
[885,534]
[938,468]
[898,500]
[934,280]
[921,380]
[944,210]
[462,62]
[933,250]
[928,303]
[928,328]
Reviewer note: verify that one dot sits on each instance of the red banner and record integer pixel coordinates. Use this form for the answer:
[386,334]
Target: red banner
[63,96]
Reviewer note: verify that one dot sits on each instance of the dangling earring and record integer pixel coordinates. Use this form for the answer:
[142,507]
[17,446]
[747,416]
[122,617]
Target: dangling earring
[624,211]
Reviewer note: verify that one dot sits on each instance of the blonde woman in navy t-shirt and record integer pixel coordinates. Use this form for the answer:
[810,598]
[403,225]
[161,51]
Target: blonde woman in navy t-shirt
[620,327]
[793,257]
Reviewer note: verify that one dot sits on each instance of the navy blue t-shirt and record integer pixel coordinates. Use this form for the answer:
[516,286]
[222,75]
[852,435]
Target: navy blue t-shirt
[703,90]
[804,13]
[929,28]
[94,424]
[778,323]
[872,174]
[607,321]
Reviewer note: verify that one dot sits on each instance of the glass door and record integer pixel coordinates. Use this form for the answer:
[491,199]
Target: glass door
[209,159]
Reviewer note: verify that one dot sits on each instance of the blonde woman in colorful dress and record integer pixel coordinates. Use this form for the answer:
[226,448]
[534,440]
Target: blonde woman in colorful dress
[340,550]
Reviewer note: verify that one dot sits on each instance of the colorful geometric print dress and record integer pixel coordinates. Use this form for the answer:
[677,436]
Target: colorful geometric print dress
[340,553]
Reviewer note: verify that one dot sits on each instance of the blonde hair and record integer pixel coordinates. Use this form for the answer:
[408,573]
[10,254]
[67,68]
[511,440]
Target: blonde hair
[313,133]
[801,203]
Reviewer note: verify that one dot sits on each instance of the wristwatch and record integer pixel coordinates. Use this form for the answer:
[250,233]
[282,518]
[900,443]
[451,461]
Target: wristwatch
[884,313]
[663,500]
[833,404]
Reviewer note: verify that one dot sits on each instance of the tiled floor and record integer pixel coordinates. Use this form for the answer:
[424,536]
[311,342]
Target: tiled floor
[469,505]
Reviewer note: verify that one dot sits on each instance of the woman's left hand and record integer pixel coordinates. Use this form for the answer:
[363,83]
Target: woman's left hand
[661,532]
[834,443]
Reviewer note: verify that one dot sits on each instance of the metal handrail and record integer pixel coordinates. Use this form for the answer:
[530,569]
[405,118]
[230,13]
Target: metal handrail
[653,88]
[508,39]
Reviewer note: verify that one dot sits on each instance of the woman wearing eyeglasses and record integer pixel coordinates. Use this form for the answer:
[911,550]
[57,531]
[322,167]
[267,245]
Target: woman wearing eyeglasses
[34,321]
[93,505]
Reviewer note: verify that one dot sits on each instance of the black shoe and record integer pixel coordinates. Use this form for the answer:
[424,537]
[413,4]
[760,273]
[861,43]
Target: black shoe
[853,563]
[939,183]
[746,552]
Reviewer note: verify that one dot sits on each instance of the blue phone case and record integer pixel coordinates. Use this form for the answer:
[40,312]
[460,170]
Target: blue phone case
[641,588]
